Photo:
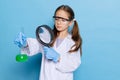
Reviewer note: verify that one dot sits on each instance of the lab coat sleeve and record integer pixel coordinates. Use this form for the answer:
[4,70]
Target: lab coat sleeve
[69,62]
[33,47]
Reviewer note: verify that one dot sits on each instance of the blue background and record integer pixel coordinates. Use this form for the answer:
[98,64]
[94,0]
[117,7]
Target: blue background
[99,22]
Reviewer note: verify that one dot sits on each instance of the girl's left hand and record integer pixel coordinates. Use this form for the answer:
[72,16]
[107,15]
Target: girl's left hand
[50,53]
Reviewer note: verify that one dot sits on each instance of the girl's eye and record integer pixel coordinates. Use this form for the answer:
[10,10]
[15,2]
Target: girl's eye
[56,18]
[64,20]
[61,19]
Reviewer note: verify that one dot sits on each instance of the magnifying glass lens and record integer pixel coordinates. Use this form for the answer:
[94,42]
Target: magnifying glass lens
[44,35]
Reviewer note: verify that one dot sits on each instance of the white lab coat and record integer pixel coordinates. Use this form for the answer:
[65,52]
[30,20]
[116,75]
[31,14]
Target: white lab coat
[62,70]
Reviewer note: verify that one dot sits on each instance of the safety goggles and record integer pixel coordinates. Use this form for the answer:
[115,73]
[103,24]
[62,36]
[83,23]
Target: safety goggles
[63,20]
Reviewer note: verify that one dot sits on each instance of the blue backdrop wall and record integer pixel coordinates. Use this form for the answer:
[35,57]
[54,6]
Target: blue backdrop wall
[99,22]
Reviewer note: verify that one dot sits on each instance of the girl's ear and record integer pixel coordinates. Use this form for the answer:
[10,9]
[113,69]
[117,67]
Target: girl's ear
[71,22]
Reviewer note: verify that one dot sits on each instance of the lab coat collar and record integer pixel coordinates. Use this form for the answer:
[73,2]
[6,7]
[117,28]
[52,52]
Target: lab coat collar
[68,37]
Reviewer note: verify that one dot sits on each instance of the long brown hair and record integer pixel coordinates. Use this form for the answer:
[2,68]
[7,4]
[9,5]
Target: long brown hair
[75,30]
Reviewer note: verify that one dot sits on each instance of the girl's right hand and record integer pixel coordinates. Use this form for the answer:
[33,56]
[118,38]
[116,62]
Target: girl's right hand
[21,40]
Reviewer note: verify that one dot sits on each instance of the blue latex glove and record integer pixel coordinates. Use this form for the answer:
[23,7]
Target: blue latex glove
[41,30]
[50,53]
[20,40]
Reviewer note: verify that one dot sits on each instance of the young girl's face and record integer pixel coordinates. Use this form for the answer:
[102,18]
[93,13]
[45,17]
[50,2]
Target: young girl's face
[62,21]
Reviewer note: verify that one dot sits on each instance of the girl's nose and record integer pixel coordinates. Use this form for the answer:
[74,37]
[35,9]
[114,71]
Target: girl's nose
[59,22]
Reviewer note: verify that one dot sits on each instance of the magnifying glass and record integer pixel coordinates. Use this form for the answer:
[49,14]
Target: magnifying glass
[44,35]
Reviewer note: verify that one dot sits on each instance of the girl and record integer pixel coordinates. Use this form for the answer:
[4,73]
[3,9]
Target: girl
[64,56]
